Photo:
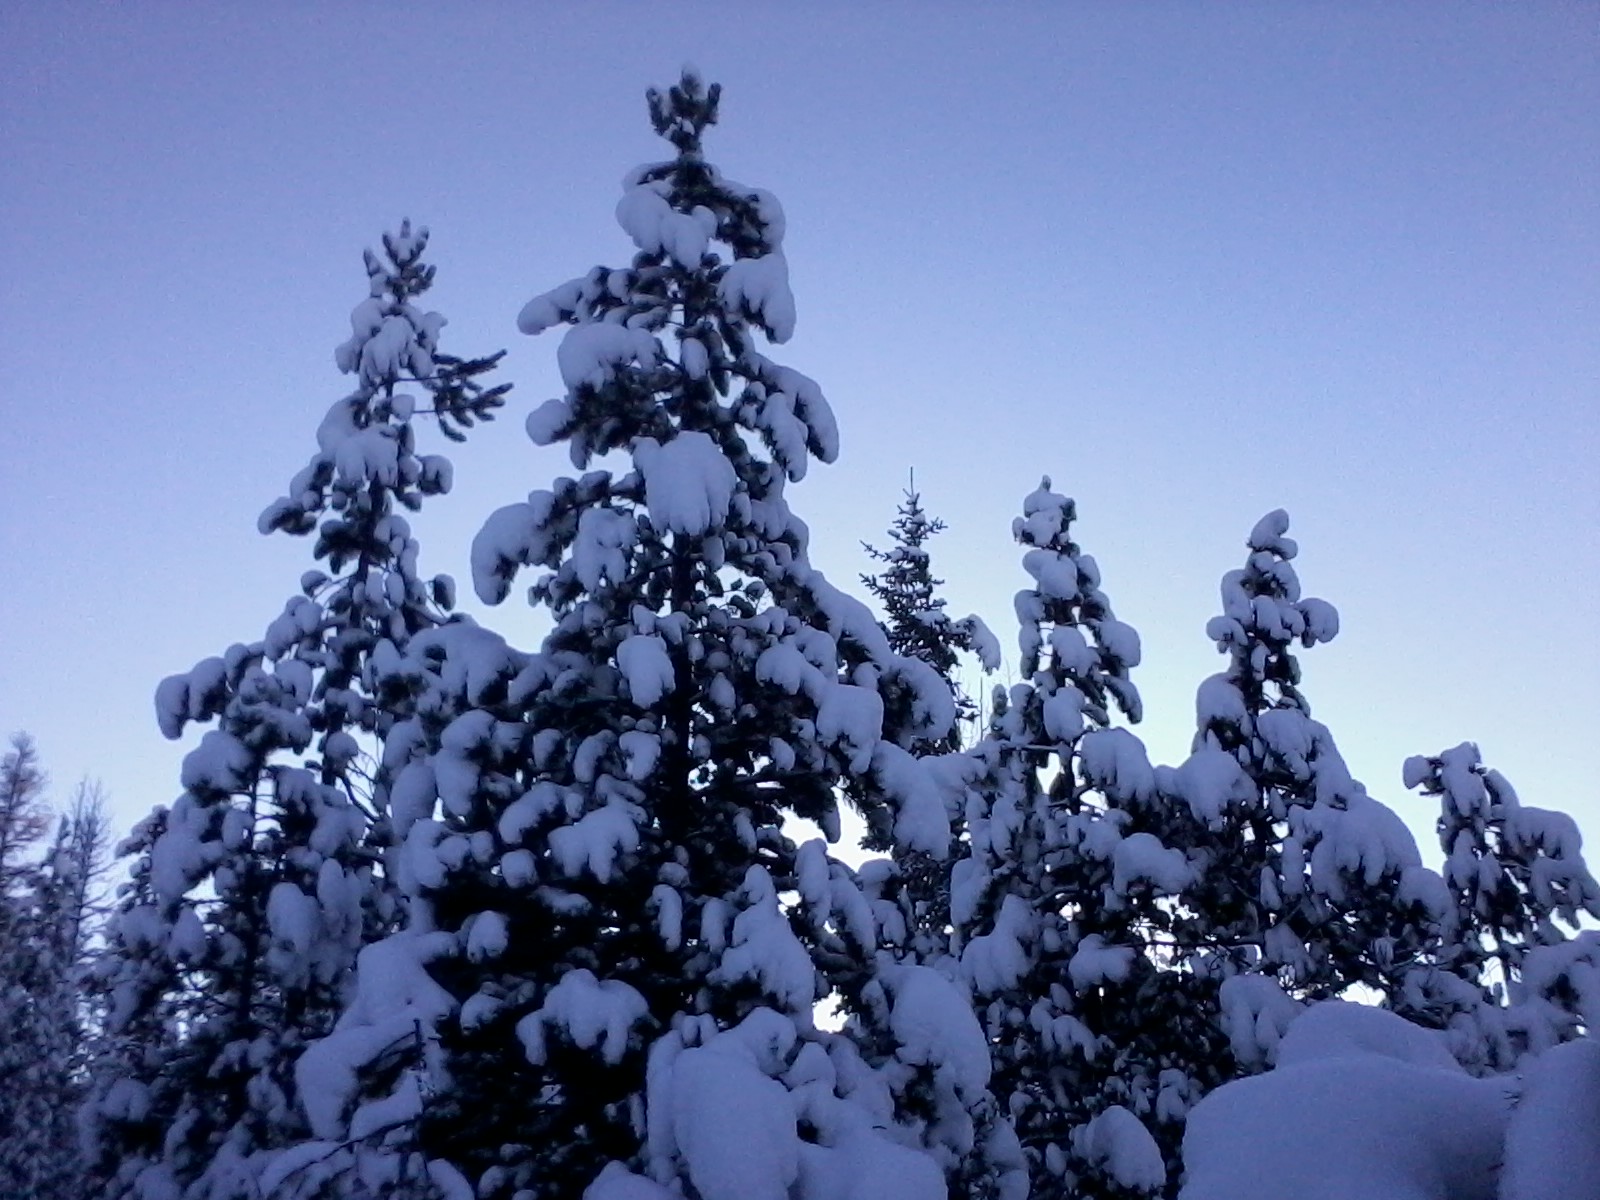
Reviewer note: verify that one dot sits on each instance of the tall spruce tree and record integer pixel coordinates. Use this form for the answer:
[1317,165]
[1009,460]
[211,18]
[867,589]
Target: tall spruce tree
[48,916]
[916,885]
[1308,879]
[46,912]
[1065,884]
[614,953]
[24,815]
[40,1033]
[235,940]
[914,613]
[1520,887]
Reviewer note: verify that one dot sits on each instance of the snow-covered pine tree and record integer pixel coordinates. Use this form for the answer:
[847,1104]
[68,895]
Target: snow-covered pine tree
[914,616]
[40,1033]
[1065,884]
[615,953]
[914,613]
[1520,887]
[236,939]
[24,815]
[1307,878]
[83,845]
[1303,885]
[26,965]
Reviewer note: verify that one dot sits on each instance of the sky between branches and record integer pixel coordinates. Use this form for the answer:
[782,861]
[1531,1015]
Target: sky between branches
[1193,261]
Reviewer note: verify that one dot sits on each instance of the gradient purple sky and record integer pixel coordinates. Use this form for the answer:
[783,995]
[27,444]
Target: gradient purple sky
[1196,261]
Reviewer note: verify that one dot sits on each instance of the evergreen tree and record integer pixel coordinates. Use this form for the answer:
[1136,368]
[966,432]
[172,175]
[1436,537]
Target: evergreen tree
[83,843]
[24,815]
[915,886]
[1520,887]
[1307,879]
[40,1034]
[235,942]
[45,913]
[914,615]
[614,994]
[1064,887]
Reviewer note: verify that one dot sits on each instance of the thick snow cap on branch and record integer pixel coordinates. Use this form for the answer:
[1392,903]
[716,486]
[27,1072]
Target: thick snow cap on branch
[788,407]
[513,536]
[728,1115]
[1118,1143]
[935,1026]
[591,354]
[396,1000]
[655,226]
[592,1014]
[760,288]
[688,482]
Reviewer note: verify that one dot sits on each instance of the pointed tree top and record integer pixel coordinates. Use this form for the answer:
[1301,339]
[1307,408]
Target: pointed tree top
[682,113]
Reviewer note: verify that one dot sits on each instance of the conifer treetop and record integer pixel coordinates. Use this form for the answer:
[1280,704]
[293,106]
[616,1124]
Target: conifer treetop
[667,345]
[682,114]
[1066,595]
[1263,615]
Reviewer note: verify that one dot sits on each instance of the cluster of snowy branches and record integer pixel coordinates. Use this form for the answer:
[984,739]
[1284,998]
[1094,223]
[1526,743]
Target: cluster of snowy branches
[438,916]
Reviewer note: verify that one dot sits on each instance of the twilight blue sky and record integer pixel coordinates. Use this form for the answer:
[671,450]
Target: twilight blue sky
[1195,261]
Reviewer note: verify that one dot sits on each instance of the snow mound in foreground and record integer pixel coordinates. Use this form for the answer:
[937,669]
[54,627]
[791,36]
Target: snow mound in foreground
[1362,1104]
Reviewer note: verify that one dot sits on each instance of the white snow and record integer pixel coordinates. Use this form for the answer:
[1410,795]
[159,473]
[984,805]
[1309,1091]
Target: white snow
[688,482]
[616,1182]
[515,535]
[1094,963]
[921,821]
[551,308]
[1552,1144]
[1209,781]
[851,718]
[591,354]
[600,550]
[759,287]
[1117,1143]
[655,226]
[646,665]
[765,950]
[1218,702]
[1341,1029]
[395,999]
[487,936]
[793,405]
[734,1126]
[984,643]
[549,422]
[221,763]
[1376,1112]
[594,842]
[936,1027]
[785,667]
[590,1013]
[640,750]
[1063,714]
[997,960]
[1054,574]
[1365,839]
[1140,857]
[293,918]
[1114,760]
